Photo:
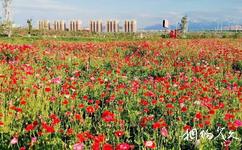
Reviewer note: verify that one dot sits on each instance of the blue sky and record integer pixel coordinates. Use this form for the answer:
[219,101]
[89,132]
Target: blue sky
[146,12]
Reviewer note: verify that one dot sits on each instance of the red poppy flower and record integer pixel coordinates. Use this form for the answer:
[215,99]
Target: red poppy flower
[187,128]
[90,109]
[69,131]
[231,126]
[65,102]
[22,148]
[29,127]
[96,146]
[169,106]
[143,121]
[119,133]
[48,89]
[184,109]
[85,97]
[18,109]
[108,116]
[48,128]
[144,102]
[99,138]
[228,116]
[198,115]
[23,102]
[123,146]
[207,122]
[81,105]
[107,147]
[78,117]
[81,137]
[200,125]
[156,125]
[211,112]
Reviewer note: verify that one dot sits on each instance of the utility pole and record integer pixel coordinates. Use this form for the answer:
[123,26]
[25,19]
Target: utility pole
[7,17]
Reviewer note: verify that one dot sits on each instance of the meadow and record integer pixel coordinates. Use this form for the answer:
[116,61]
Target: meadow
[121,94]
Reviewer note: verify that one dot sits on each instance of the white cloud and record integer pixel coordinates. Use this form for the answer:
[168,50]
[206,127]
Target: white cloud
[42,5]
[220,15]
[42,9]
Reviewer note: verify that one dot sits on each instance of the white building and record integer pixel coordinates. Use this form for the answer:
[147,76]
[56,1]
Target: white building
[75,25]
[96,26]
[59,25]
[112,26]
[130,26]
[44,25]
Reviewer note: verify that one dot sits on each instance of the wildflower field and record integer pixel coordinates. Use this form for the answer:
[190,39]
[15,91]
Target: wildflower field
[121,95]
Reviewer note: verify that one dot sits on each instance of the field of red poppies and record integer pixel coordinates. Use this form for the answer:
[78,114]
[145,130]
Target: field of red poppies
[165,94]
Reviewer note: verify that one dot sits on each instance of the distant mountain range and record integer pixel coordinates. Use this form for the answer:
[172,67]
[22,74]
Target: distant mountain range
[197,26]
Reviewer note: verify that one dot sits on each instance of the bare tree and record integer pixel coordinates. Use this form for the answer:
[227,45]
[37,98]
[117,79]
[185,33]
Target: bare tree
[7,21]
